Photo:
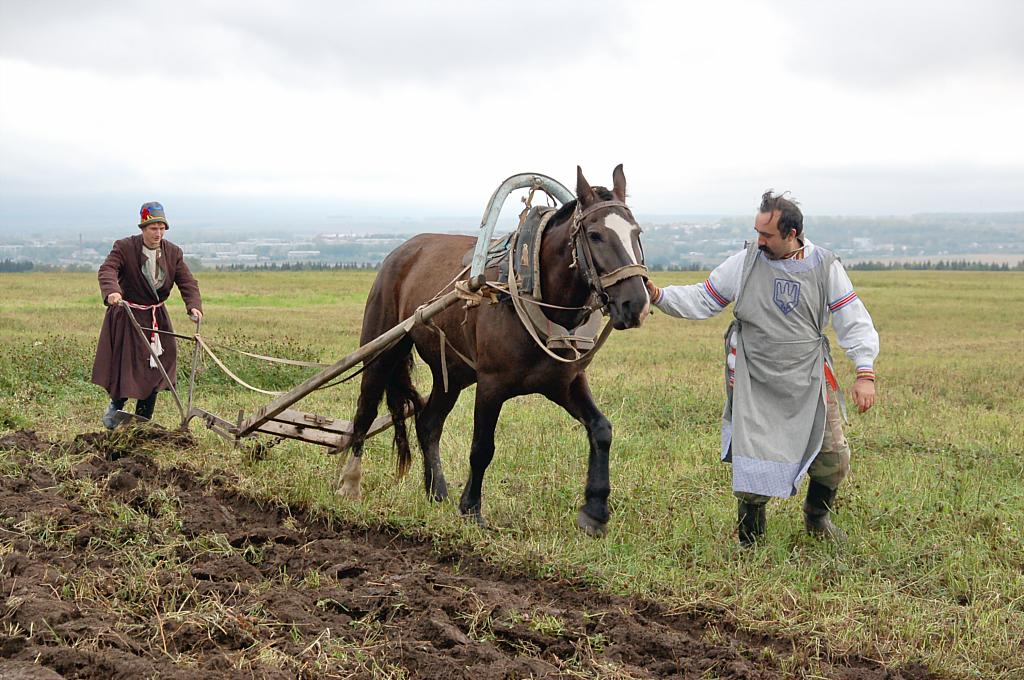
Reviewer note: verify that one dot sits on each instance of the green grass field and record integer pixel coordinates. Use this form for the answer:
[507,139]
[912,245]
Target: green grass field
[934,572]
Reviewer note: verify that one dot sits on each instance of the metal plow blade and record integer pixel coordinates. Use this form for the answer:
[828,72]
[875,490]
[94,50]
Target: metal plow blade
[123,417]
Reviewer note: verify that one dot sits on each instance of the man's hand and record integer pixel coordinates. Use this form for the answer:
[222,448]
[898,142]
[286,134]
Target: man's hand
[195,314]
[864,394]
[652,290]
[114,299]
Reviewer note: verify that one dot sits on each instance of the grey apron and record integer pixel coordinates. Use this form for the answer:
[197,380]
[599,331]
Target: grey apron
[774,418]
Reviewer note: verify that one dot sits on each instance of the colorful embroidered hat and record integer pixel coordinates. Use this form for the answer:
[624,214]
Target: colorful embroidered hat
[151,212]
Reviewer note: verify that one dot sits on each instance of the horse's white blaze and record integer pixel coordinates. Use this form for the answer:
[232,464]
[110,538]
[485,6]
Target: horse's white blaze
[624,230]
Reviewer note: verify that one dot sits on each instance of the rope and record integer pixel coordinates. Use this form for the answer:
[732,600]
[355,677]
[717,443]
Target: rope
[206,348]
[273,360]
[366,363]
[147,308]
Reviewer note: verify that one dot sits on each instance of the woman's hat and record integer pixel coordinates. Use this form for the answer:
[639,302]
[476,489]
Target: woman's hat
[151,212]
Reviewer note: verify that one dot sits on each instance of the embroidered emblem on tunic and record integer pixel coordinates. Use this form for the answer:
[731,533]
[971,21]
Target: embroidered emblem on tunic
[787,295]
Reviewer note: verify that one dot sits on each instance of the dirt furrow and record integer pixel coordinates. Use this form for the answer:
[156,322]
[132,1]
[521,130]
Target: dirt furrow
[116,568]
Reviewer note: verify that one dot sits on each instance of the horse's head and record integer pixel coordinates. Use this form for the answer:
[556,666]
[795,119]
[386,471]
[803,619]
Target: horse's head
[606,246]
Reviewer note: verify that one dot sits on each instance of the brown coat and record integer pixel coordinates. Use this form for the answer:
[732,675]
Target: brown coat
[122,358]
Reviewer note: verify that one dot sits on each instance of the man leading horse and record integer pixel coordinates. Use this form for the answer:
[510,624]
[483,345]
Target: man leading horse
[783,415]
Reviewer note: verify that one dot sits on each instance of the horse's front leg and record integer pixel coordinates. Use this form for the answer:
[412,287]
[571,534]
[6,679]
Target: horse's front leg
[485,417]
[579,402]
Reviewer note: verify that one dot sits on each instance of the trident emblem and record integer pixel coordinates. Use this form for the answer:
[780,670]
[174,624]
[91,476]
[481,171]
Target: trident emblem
[787,295]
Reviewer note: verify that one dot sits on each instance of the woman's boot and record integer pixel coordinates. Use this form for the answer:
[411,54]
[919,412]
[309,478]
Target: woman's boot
[110,420]
[144,407]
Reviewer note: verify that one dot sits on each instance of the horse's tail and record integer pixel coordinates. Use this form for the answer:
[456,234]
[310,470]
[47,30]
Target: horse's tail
[402,394]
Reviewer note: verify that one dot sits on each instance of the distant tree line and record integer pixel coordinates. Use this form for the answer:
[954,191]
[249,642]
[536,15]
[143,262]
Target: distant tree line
[15,266]
[941,265]
[9,265]
[678,267]
[297,266]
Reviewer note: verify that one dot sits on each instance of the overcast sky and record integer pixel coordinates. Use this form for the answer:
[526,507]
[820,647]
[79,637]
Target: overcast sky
[237,110]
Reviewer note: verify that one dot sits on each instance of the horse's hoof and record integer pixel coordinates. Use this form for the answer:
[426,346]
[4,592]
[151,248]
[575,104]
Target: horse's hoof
[351,492]
[475,517]
[438,493]
[590,526]
[351,479]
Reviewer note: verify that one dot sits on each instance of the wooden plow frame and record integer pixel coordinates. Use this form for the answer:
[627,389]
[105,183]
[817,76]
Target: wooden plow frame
[278,419]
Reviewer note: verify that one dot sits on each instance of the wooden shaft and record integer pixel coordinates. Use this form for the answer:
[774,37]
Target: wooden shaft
[325,376]
[192,376]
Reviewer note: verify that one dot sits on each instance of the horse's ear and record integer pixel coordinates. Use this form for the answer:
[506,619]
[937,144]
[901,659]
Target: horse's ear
[619,183]
[584,194]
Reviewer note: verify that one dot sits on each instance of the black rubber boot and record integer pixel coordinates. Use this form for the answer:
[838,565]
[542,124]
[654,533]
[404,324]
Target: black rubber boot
[144,407]
[109,420]
[820,501]
[752,523]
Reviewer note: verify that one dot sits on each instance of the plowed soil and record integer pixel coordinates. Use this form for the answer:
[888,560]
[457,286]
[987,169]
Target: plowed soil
[113,567]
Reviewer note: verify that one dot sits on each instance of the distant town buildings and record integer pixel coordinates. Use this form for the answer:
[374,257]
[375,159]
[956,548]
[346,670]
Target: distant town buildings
[673,243]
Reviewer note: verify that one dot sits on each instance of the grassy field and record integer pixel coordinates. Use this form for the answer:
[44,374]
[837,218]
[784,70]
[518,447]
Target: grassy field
[934,572]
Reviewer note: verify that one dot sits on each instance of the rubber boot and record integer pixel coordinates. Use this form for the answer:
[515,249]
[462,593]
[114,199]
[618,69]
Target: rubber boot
[144,407]
[109,418]
[751,520]
[820,501]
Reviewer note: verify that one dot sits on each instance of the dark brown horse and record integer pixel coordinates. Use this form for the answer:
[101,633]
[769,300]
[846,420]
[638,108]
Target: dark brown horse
[508,362]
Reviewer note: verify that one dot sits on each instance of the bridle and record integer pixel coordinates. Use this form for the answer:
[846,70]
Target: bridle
[597,281]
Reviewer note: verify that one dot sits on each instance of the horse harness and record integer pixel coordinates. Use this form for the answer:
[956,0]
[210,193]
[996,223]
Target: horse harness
[517,258]
[524,283]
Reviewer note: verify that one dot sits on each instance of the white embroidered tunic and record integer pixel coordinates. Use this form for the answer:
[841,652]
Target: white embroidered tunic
[850,319]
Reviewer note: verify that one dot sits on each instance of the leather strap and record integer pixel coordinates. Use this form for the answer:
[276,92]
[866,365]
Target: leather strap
[531,328]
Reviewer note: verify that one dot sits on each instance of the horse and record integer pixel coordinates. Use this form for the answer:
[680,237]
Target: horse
[590,258]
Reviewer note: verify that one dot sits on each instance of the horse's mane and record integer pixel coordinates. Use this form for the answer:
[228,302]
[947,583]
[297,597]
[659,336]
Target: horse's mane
[568,208]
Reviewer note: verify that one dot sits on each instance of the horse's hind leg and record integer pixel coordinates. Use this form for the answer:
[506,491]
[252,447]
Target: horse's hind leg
[429,424]
[371,390]
[485,417]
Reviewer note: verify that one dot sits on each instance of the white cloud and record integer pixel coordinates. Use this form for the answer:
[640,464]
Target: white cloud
[864,107]
[907,44]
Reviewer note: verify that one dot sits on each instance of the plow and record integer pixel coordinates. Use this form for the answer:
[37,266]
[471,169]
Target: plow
[279,418]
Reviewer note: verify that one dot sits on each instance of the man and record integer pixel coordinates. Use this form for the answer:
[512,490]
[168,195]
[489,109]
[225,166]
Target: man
[782,415]
[141,270]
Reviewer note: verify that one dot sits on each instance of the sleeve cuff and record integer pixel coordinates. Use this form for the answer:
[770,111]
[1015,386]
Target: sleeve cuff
[865,373]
